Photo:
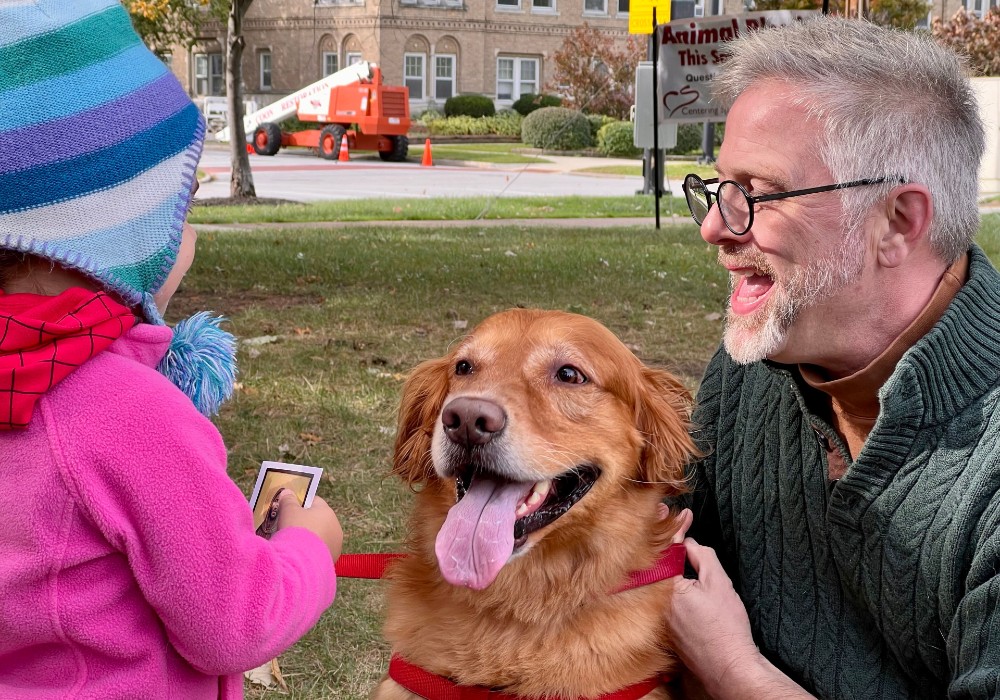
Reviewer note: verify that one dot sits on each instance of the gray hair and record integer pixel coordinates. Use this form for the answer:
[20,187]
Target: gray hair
[890,103]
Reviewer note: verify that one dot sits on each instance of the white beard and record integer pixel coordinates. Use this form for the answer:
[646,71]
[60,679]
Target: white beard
[764,333]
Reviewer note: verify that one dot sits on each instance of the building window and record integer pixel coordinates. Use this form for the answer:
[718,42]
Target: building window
[353,57]
[516,76]
[208,74]
[444,77]
[547,5]
[623,7]
[265,70]
[330,63]
[413,74]
[595,7]
[508,4]
[980,7]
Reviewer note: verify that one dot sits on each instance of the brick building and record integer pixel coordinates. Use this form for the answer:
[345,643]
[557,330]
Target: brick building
[438,48]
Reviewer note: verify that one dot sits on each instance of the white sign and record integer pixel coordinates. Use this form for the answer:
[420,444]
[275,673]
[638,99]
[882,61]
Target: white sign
[691,51]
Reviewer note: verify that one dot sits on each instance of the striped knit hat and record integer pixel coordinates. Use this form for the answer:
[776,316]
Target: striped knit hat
[98,145]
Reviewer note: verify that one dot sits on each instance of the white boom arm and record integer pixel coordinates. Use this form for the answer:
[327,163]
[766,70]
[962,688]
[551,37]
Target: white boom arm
[287,106]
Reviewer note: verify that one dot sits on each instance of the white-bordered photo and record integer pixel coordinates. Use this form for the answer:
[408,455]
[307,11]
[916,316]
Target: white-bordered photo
[302,480]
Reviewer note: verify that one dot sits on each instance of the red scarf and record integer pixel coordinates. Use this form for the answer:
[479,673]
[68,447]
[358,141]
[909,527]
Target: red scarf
[43,339]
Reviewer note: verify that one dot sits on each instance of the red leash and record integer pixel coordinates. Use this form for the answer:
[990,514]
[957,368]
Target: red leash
[364,565]
[372,566]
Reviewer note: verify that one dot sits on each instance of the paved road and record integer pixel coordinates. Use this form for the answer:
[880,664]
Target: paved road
[300,176]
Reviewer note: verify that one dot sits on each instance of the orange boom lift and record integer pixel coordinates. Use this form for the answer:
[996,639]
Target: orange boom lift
[381,114]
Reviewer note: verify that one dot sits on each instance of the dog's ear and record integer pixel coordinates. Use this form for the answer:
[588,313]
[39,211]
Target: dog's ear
[663,412]
[423,396]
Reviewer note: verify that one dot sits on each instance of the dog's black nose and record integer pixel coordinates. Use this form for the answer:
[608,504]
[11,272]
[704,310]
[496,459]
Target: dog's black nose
[469,422]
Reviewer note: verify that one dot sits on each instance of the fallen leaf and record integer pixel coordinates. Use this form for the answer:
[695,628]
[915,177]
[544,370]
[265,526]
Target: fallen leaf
[303,331]
[460,325]
[714,316]
[311,438]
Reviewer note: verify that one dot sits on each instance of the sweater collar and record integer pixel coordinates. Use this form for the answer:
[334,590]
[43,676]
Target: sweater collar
[857,394]
[953,364]
[958,361]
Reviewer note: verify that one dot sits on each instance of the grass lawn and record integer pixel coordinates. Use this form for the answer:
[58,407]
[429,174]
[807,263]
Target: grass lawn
[439,209]
[332,320]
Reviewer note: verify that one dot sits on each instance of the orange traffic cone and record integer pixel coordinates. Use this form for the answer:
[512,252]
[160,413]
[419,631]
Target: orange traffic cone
[344,153]
[427,160]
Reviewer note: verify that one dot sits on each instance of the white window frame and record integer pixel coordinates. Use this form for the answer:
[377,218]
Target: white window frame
[326,58]
[548,8]
[516,80]
[983,6]
[266,63]
[409,78]
[352,57]
[208,81]
[453,59]
[508,5]
[601,12]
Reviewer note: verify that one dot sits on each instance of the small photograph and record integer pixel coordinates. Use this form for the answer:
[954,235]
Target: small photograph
[274,477]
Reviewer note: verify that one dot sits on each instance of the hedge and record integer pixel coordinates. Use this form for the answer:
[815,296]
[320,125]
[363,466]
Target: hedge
[616,140]
[469,106]
[557,129]
[529,102]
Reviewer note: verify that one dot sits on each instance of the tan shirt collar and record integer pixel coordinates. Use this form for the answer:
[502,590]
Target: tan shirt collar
[857,394]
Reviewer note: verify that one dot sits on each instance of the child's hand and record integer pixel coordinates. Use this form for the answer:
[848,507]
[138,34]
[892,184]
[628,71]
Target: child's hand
[319,519]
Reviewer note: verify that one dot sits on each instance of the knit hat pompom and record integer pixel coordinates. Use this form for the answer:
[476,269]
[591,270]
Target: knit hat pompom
[201,361]
[99,145]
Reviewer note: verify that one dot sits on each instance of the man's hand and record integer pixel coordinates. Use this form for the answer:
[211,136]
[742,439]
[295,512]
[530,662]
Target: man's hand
[710,631]
[318,518]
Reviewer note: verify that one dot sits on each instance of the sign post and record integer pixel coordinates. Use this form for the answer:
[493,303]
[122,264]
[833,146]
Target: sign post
[642,19]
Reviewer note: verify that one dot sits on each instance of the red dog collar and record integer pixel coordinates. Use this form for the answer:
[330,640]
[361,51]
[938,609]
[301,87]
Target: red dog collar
[432,687]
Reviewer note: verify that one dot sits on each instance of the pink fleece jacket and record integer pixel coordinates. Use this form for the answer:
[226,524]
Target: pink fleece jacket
[129,567]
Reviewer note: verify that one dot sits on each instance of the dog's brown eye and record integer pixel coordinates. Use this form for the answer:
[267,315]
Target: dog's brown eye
[463,367]
[570,375]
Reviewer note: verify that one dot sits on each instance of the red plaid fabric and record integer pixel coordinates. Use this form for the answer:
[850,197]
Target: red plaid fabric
[43,339]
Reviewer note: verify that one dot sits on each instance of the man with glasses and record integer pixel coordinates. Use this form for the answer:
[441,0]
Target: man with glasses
[846,514]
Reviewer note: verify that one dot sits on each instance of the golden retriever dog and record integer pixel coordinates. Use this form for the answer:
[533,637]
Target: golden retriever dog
[539,449]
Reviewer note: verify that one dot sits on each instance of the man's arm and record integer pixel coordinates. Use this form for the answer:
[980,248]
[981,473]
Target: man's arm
[710,631]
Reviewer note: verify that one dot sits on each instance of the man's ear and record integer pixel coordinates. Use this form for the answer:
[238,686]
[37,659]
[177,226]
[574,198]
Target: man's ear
[909,210]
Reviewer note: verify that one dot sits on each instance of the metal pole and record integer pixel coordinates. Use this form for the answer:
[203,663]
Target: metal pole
[656,124]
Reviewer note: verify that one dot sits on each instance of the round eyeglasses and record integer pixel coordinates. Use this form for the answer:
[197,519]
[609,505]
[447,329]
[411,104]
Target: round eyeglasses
[736,205]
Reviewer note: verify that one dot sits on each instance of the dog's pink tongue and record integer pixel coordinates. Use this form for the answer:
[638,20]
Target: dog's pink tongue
[477,537]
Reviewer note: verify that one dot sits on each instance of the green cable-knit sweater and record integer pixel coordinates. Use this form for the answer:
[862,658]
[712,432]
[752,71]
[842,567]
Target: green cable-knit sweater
[886,583]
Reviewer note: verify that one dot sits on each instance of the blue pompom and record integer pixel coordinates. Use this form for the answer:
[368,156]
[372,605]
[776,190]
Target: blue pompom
[201,361]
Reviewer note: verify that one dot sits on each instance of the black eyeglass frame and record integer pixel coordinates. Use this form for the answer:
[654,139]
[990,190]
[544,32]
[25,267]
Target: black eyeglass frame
[751,200]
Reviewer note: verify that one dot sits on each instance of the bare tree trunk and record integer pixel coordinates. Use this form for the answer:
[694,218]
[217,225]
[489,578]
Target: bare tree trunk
[241,182]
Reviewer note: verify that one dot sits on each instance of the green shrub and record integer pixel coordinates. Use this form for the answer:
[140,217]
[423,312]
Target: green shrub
[529,102]
[689,138]
[616,140]
[506,123]
[596,122]
[428,116]
[557,129]
[469,106]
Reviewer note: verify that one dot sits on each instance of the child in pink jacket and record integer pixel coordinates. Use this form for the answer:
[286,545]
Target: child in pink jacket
[129,567]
